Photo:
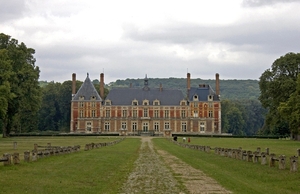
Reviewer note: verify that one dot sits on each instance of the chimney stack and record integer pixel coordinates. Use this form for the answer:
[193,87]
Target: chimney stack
[160,87]
[217,84]
[188,84]
[73,84]
[102,85]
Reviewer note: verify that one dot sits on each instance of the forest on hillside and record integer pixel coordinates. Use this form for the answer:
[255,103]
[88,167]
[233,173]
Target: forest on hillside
[229,89]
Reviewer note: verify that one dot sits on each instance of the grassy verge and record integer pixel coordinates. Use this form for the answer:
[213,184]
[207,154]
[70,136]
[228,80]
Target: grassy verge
[236,175]
[102,170]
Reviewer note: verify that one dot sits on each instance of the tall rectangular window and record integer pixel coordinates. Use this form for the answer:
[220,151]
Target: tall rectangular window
[167,125]
[134,113]
[81,113]
[107,113]
[134,126]
[145,112]
[93,104]
[93,113]
[156,113]
[81,104]
[202,127]
[156,126]
[167,113]
[145,127]
[124,113]
[106,126]
[124,125]
[183,114]
[210,114]
[183,126]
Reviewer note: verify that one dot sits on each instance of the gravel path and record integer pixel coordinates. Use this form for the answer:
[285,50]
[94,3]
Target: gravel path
[152,175]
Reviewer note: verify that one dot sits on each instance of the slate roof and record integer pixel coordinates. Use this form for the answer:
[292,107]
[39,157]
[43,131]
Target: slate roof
[87,90]
[203,91]
[125,96]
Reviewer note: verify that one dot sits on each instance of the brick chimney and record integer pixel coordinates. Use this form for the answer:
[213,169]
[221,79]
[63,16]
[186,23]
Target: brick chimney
[217,84]
[160,87]
[73,84]
[188,84]
[102,85]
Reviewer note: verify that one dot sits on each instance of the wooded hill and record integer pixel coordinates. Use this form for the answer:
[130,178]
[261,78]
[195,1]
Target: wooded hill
[229,89]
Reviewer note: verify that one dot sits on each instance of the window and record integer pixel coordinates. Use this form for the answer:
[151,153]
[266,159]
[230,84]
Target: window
[124,125]
[106,126]
[156,103]
[134,126]
[195,98]
[145,127]
[156,113]
[183,126]
[210,97]
[167,125]
[134,113]
[89,126]
[93,104]
[195,113]
[195,104]
[93,113]
[81,104]
[167,113]
[156,126]
[210,104]
[107,113]
[202,127]
[145,112]
[124,113]
[145,102]
[210,114]
[135,103]
[183,103]
[93,97]
[81,97]
[107,102]
[183,114]
[81,113]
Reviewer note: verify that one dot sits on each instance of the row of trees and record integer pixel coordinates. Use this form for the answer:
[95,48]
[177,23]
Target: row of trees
[20,94]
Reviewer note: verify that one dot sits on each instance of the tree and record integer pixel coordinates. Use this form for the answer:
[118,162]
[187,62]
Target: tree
[20,78]
[276,86]
[290,110]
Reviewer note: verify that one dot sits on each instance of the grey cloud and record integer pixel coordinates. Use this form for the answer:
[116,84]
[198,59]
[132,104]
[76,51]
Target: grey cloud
[258,3]
[11,9]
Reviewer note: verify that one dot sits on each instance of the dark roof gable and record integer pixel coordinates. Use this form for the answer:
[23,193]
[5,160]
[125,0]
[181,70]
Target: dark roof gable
[87,90]
[203,91]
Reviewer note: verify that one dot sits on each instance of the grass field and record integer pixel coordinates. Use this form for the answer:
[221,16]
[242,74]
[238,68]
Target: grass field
[236,175]
[105,170]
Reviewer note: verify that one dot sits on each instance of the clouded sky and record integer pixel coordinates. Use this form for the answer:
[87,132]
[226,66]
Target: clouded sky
[239,39]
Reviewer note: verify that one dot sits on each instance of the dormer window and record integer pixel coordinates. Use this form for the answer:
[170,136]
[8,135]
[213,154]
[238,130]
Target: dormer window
[183,103]
[156,103]
[210,98]
[81,97]
[135,102]
[195,98]
[145,102]
[107,102]
[93,97]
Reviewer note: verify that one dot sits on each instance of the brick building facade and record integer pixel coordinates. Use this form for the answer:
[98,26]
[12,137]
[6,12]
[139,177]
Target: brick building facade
[145,111]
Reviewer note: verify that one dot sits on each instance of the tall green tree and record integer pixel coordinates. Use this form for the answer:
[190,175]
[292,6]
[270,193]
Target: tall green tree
[23,96]
[290,110]
[276,86]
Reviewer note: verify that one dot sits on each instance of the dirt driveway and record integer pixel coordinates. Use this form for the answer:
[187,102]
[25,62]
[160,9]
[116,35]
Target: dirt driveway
[157,171]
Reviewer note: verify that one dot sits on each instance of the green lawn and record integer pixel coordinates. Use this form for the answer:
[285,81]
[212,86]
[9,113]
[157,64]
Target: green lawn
[236,175]
[101,170]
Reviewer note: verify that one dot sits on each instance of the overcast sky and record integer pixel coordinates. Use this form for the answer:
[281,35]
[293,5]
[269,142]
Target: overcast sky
[239,39]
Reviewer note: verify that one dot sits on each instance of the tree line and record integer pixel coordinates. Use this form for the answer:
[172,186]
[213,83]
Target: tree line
[269,105]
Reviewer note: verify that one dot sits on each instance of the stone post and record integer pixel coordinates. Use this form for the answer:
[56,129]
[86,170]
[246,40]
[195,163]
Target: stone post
[207,149]
[249,156]
[267,151]
[35,147]
[34,156]
[272,160]
[15,145]
[258,149]
[49,144]
[16,158]
[27,156]
[298,152]
[8,157]
[255,157]
[281,162]
[263,158]
[294,164]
